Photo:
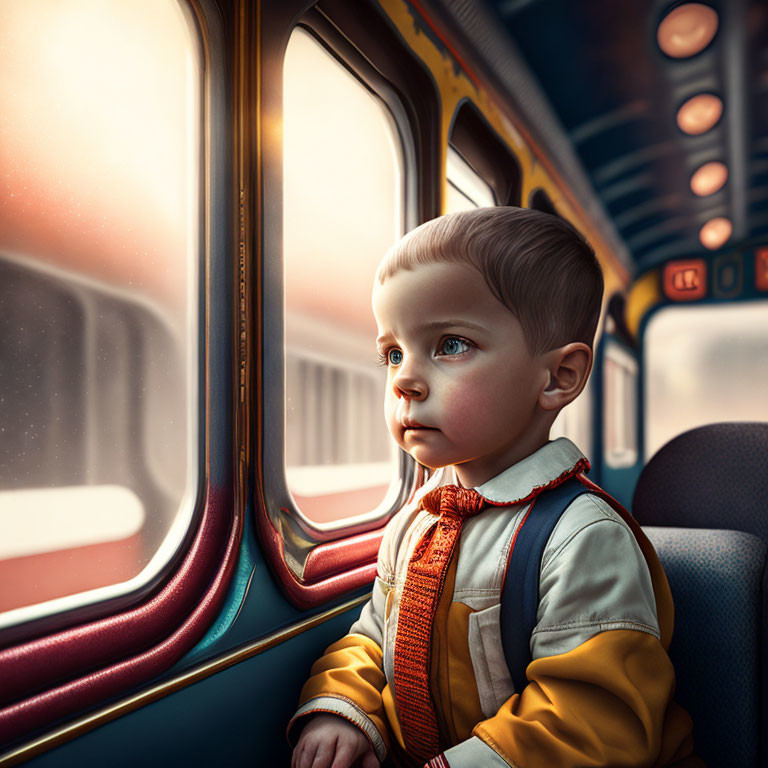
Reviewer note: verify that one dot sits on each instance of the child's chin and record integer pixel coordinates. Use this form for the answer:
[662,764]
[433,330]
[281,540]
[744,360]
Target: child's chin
[430,461]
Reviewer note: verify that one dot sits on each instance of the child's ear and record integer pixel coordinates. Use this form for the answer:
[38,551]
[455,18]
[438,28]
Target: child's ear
[568,368]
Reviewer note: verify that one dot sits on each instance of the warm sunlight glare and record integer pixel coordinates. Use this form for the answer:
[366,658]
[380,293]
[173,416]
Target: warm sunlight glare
[100,116]
[342,193]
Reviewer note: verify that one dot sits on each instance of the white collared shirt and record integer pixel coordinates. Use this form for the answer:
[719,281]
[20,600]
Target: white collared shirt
[593,577]
[593,574]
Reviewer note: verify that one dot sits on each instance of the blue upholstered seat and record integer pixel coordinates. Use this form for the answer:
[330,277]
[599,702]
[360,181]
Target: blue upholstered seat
[716,577]
[716,477]
[710,477]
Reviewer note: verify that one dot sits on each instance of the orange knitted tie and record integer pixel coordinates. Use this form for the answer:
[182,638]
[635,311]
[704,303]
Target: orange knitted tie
[418,605]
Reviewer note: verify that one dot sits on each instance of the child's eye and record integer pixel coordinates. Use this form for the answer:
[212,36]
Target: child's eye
[391,357]
[452,345]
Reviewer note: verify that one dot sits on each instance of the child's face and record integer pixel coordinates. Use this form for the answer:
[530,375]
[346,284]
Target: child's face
[462,387]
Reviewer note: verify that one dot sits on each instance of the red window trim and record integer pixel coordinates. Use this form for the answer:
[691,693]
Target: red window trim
[180,613]
[337,556]
[331,568]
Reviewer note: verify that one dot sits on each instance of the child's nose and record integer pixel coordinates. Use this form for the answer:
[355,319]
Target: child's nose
[409,385]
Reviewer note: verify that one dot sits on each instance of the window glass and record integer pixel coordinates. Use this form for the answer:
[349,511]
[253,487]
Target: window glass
[343,209]
[704,364]
[620,404]
[466,189]
[99,252]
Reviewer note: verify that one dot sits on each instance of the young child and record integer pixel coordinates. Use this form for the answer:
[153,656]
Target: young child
[486,321]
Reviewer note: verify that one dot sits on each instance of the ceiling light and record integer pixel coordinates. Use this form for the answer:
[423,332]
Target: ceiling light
[709,178]
[687,29]
[699,113]
[715,233]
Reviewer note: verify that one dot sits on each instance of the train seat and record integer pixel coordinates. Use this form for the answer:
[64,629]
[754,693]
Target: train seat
[717,648]
[715,477]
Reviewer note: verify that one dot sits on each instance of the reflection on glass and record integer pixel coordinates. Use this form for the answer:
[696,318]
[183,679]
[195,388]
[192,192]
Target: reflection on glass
[342,212]
[704,364]
[99,190]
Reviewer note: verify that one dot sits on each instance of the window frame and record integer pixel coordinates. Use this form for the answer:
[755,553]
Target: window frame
[748,298]
[486,153]
[539,200]
[315,562]
[648,297]
[68,662]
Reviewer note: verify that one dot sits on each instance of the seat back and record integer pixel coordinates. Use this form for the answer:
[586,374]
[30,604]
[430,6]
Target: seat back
[716,477]
[716,582]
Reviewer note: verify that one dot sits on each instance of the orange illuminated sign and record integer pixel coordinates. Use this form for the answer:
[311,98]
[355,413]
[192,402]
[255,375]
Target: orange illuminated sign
[761,269]
[685,280]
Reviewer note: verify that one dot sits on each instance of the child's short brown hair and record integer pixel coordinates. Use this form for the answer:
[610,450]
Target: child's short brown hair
[536,264]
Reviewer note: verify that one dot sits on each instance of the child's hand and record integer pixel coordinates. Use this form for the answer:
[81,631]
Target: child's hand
[329,741]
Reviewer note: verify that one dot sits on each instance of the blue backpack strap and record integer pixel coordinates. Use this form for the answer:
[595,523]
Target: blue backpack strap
[520,592]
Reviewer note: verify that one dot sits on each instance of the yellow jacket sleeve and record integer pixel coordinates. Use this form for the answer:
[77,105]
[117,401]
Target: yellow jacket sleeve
[608,702]
[348,679]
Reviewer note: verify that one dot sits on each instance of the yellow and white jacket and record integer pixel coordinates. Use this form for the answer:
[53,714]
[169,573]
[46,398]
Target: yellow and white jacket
[600,683]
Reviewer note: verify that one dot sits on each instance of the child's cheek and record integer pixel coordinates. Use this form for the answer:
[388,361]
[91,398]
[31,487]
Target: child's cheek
[468,400]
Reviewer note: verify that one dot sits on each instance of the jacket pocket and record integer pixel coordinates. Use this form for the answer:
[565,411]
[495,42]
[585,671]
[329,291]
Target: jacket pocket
[494,685]
[388,639]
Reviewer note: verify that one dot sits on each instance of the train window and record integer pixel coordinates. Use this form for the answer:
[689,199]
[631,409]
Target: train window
[704,364]
[100,180]
[466,189]
[481,170]
[343,209]
[620,407]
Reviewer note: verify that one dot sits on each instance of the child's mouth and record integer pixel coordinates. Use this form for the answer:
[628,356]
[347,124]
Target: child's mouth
[416,427]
